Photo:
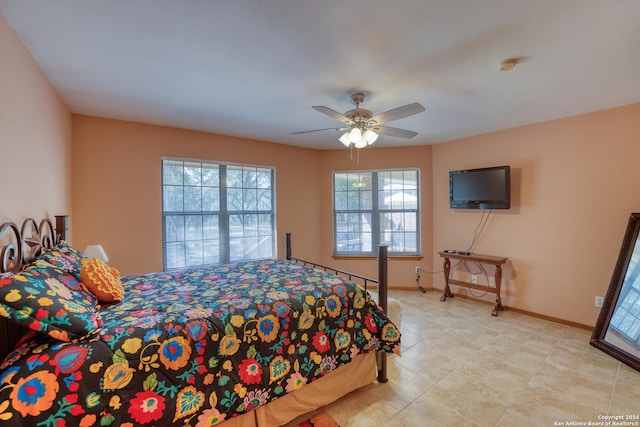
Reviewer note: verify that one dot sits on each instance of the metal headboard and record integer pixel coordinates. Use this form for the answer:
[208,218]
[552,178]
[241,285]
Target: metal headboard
[18,246]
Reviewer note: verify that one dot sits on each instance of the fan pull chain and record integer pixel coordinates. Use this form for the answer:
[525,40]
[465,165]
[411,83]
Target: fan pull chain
[351,154]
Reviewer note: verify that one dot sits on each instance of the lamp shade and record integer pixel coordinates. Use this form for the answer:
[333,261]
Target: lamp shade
[355,135]
[370,136]
[345,139]
[96,251]
[358,138]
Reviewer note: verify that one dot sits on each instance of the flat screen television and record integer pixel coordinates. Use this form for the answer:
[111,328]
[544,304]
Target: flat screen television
[483,188]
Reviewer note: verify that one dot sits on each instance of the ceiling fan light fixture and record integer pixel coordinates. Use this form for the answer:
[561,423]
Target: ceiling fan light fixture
[370,136]
[355,135]
[345,139]
[363,126]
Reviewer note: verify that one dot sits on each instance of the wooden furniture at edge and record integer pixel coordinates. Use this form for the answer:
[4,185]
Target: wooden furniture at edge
[496,261]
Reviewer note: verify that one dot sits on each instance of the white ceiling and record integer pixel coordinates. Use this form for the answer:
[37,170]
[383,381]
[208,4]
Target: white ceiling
[254,68]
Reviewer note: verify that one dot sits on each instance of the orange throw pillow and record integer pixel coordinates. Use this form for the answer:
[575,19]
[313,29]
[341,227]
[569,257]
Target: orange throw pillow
[102,280]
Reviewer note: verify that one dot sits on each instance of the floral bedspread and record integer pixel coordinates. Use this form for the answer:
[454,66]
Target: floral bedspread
[196,347]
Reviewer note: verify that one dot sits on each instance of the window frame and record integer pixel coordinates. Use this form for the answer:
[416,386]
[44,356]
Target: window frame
[223,213]
[375,215]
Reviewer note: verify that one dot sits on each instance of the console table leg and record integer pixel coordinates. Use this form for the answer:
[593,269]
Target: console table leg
[481,259]
[498,280]
[447,291]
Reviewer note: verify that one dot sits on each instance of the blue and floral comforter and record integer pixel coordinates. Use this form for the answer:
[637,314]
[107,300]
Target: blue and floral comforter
[196,347]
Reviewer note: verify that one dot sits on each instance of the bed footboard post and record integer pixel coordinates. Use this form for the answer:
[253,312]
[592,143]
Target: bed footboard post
[383,296]
[287,244]
[383,259]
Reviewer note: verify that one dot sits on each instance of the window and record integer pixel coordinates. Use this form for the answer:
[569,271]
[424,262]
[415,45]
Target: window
[376,207]
[626,316]
[215,213]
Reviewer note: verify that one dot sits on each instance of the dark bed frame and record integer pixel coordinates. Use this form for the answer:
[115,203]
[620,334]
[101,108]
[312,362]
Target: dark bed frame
[18,249]
[382,285]
[21,245]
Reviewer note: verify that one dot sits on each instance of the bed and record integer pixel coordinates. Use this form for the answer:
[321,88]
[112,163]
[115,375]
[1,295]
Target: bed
[255,343]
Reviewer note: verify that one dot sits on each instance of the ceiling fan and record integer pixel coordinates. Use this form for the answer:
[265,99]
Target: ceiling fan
[363,127]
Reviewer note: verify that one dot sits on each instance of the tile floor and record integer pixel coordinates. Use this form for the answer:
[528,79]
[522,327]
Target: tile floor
[462,367]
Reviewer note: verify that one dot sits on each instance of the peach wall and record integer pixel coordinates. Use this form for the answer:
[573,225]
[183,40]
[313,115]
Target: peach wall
[117,194]
[575,182]
[35,137]
[401,270]
[117,186]
[573,189]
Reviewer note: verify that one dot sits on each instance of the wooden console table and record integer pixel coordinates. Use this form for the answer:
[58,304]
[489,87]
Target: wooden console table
[481,259]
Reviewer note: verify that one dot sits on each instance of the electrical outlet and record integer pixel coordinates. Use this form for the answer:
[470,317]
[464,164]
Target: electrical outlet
[492,281]
[599,301]
[417,270]
[474,278]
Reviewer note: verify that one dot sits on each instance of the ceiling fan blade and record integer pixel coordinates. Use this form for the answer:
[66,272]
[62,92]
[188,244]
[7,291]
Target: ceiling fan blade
[317,130]
[398,113]
[332,113]
[399,133]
